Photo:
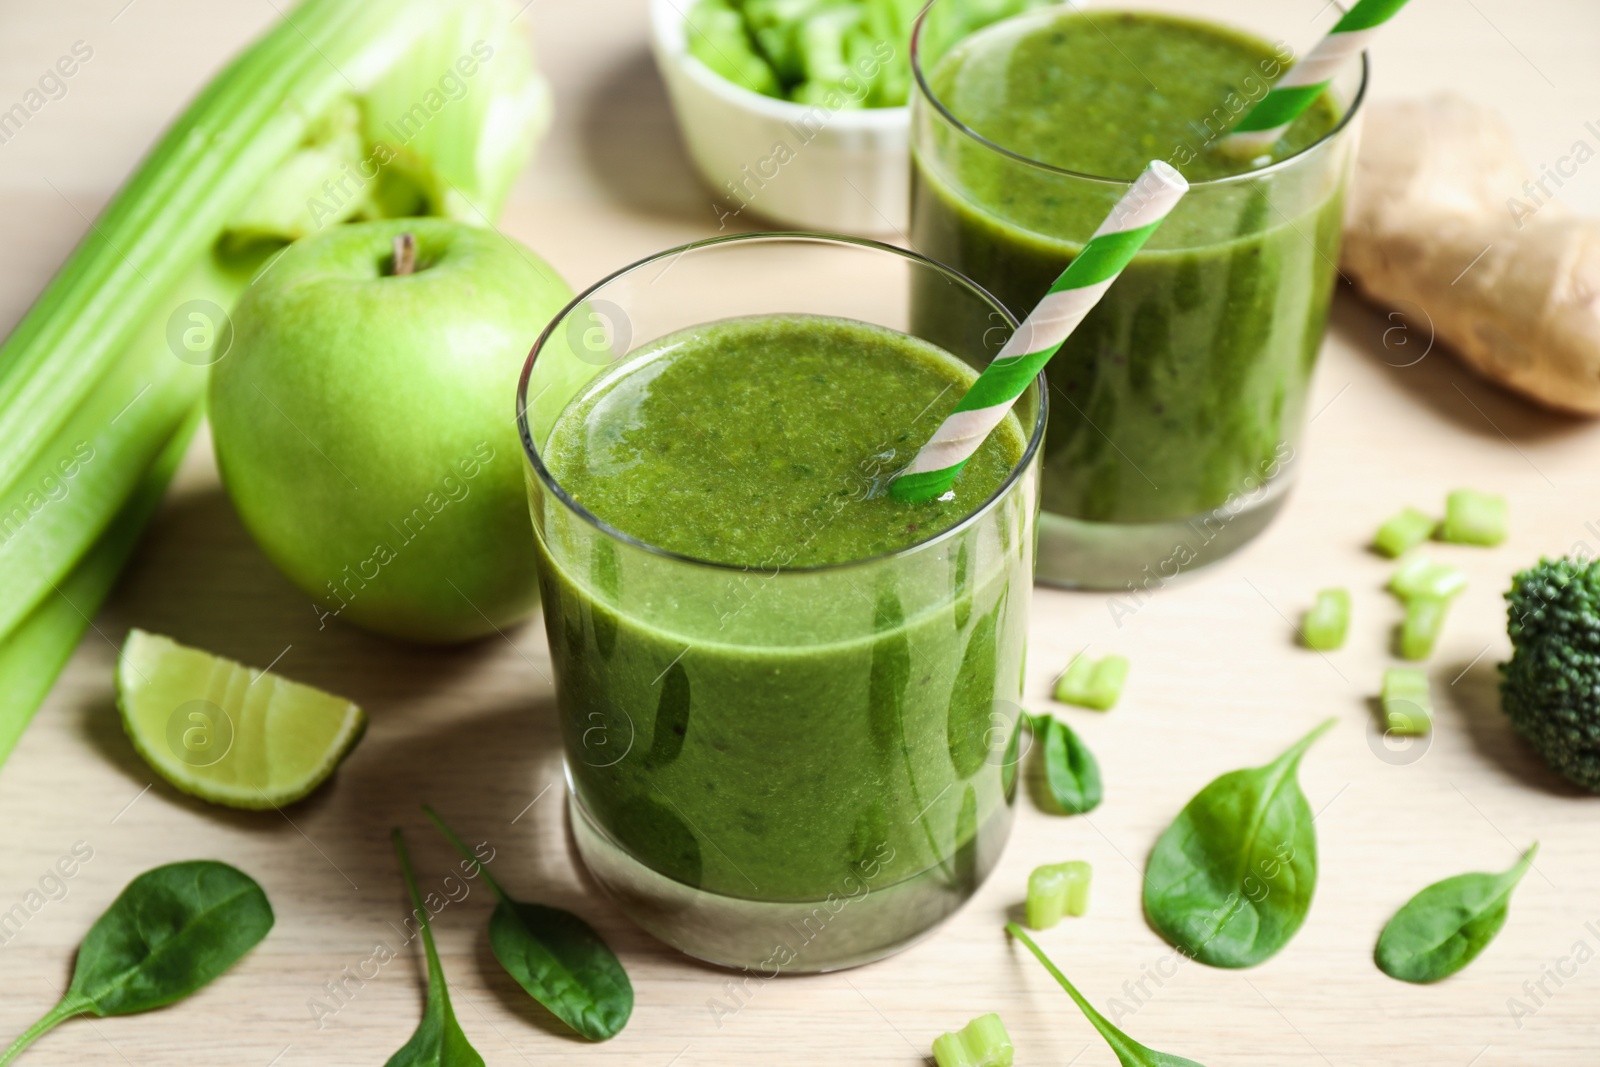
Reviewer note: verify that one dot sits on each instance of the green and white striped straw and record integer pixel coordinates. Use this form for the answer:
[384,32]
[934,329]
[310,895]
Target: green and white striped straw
[1261,127]
[1041,335]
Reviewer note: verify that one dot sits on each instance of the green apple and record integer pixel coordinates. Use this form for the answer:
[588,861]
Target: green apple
[364,424]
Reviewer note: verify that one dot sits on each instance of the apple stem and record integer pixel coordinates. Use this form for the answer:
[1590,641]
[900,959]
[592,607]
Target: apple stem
[405,254]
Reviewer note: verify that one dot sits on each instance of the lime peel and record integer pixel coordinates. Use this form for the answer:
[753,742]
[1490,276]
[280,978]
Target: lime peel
[227,733]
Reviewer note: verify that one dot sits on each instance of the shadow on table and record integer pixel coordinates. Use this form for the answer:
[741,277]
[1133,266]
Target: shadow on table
[432,736]
[199,579]
[1476,697]
[631,145]
[1401,340]
[471,730]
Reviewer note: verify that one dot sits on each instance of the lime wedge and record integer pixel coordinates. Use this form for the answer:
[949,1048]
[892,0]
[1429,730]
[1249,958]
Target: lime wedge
[223,732]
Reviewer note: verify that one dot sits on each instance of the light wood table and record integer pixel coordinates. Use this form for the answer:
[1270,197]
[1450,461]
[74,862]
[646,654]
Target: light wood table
[1216,682]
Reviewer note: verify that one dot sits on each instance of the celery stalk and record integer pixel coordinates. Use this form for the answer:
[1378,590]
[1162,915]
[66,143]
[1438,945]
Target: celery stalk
[246,122]
[89,371]
[61,362]
[293,202]
[35,651]
[91,464]
[492,107]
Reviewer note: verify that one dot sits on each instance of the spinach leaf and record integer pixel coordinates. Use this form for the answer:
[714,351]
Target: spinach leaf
[1128,1051]
[1230,881]
[171,931]
[1071,773]
[555,956]
[1444,927]
[438,1040]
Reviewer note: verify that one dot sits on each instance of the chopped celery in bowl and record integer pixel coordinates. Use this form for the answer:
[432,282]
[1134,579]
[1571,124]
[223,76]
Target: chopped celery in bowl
[818,51]
[796,110]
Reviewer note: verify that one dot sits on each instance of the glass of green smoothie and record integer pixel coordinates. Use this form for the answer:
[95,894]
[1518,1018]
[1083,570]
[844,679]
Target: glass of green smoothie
[789,704]
[1176,408]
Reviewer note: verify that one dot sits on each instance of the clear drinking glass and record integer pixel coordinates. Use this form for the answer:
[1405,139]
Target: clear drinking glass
[1176,408]
[782,769]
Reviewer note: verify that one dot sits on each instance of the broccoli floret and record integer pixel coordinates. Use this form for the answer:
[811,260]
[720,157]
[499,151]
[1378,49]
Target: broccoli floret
[1551,687]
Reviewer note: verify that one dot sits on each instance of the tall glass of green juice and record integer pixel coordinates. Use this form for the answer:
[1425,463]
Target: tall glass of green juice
[1176,408]
[789,703]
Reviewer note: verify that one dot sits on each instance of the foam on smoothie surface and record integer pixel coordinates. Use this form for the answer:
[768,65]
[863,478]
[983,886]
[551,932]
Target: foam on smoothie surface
[1105,92]
[767,441]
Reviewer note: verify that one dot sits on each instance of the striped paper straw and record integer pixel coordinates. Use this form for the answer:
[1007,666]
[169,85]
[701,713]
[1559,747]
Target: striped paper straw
[1041,335]
[1261,127]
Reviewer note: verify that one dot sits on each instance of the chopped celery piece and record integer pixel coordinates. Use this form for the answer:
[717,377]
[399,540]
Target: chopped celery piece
[1076,680]
[1424,577]
[981,1043]
[1055,890]
[1423,623]
[1404,532]
[717,38]
[1407,704]
[1474,518]
[823,42]
[1093,684]
[775,26]
[834,54]
[886,22]
[1328,621]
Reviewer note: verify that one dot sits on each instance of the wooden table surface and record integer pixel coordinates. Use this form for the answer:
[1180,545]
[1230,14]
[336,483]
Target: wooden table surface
[1217,682]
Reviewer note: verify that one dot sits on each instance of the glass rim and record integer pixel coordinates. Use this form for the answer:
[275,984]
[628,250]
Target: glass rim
[925,91]
[532,455]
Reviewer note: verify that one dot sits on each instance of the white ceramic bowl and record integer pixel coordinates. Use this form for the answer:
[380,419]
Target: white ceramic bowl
[799,165]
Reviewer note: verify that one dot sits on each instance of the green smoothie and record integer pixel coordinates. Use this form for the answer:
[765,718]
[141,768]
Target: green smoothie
[737,442]
[1186,385]
[838,731]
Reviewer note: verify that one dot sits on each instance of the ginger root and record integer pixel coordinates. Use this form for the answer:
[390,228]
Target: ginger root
[1434,220]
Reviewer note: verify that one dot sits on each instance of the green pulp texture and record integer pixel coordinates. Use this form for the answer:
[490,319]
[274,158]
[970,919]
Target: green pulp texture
[1185,386]
[859,742]
[791,774]
[768,441]
[1104,93]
